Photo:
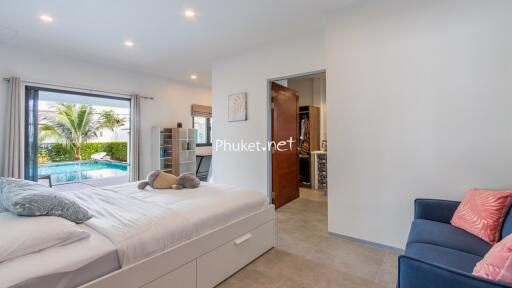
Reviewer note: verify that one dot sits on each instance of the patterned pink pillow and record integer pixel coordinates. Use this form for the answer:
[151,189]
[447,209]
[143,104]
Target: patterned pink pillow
[497,263]
[481,213]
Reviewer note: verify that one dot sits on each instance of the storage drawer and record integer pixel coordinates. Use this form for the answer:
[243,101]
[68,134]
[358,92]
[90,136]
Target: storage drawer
[219,264]
[183,277]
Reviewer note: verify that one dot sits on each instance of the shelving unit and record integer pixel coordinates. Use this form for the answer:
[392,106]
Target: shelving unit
[174,150]
[319,170]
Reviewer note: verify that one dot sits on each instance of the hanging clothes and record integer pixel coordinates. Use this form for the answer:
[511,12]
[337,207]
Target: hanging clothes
[304,137]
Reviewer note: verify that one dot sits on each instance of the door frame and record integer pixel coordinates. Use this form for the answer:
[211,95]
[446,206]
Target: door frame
[57,89]
[269,120]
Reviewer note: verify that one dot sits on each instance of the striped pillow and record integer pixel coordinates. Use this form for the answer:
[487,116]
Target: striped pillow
[497,263]
[481,213]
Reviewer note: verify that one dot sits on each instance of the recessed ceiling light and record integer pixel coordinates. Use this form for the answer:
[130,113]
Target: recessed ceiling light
[189,13]
[129,43]
[46,18]
[193,76]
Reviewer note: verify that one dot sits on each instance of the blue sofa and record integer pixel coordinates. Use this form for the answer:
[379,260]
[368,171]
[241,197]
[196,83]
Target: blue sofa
[440,255]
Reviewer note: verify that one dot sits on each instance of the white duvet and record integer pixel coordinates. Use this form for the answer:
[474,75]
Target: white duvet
[142,223]
[137,228]
[207,207]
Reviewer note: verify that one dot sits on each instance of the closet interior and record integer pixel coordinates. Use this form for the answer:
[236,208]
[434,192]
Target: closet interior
[312,136]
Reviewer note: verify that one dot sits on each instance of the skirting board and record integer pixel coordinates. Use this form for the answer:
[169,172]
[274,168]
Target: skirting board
[369,243]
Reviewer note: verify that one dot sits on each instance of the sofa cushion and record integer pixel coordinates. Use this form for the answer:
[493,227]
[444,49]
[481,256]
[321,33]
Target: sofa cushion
[442,256]
[482,213]
[446,235]
[506,229]
[497,263]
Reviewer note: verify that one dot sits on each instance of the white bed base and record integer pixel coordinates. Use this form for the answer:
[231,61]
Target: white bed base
[202,262]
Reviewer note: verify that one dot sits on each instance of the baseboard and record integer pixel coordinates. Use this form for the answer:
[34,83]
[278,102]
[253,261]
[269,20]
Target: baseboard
[368,243]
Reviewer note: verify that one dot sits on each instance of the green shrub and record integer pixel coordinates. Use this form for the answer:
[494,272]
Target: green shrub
[43,156]
[119,151]
[55,153]
[90,148]
[58,153]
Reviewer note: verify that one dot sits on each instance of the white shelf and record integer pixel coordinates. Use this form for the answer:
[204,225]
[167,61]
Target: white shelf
[172,141]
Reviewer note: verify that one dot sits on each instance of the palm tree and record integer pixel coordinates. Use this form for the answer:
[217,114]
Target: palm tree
[70,125]
[111,120]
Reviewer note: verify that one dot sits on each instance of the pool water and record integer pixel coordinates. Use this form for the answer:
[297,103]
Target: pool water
[77,171]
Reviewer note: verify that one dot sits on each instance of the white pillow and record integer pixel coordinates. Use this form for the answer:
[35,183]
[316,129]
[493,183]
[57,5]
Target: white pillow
[24,235]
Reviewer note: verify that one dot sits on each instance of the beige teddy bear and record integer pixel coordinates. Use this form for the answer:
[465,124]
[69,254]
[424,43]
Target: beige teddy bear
[161,180]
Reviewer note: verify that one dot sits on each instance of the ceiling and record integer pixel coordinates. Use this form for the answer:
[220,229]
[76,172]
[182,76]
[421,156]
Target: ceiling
[166,43]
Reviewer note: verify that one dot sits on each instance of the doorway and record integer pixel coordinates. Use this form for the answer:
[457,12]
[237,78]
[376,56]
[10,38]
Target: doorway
[298,111]
[76,140]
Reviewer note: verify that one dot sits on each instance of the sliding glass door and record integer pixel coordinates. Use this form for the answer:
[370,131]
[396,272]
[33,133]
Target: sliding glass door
[31,132]
[76,139]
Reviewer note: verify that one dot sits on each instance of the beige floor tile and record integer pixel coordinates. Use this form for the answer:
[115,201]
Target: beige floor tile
[313,195]
[307,256]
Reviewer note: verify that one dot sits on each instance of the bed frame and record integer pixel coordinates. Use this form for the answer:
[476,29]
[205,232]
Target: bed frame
[202,262]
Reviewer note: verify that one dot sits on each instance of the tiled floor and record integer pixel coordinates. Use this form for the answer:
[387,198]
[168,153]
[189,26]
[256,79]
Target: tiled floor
[314,195]
[306,256]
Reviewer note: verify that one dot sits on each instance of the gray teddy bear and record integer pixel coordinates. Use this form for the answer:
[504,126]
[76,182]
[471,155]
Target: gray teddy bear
[161,180]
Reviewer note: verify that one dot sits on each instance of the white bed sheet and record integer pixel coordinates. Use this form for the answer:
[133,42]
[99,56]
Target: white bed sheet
[55,260]
[137,224]
[208,207]
[138,229]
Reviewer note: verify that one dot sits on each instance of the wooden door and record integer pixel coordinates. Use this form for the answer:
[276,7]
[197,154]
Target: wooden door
[285,163]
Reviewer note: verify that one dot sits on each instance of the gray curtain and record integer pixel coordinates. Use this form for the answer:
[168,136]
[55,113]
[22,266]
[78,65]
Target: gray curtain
[135,139]
[13,148]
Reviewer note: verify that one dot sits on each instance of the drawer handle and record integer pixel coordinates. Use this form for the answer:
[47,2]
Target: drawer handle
[243,239]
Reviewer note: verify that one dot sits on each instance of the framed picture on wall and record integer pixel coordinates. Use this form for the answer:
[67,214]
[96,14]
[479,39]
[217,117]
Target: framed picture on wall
[237,107]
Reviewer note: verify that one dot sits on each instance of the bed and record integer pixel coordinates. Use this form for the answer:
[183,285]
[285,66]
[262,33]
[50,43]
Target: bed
[155,238]
[91,258]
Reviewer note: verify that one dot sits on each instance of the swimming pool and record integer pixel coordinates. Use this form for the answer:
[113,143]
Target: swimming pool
[76,171]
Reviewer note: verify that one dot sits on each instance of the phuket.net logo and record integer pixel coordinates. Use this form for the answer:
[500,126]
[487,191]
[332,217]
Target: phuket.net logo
[246,146]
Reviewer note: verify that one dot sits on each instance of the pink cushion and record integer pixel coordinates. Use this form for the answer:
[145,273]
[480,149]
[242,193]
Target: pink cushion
[481,213]
[497,263]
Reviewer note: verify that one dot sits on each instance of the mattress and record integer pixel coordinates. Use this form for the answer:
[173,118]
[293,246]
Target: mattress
[208,207]
[62,267]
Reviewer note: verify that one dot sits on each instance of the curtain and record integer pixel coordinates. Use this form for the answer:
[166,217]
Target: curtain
[135,138]
[13,149]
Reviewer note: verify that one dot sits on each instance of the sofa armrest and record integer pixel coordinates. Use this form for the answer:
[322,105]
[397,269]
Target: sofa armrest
[414,273]
[435,210]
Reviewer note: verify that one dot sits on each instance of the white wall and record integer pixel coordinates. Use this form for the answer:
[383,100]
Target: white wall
[172,100]
[312,92]
[422,94]
[304,86]
[320,100]
[249,73]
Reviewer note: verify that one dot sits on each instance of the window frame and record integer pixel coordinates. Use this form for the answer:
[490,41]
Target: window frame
[208,131]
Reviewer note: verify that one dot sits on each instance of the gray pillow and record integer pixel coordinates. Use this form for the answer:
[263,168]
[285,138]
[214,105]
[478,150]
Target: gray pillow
[26,198]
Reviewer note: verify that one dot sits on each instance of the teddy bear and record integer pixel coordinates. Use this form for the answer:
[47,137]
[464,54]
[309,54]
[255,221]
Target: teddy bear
[161,180]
